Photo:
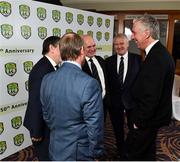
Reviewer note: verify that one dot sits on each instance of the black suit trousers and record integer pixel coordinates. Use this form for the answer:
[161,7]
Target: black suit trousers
[138,148]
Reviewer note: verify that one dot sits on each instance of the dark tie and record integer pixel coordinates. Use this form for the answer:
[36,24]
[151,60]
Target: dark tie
[121,71]
[95,72]
[57,67]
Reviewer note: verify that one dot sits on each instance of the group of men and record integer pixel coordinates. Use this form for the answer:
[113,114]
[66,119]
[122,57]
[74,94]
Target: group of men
[67,106]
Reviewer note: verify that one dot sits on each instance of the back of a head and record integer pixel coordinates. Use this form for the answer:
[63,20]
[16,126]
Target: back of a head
[70,46]
[149,23]
[52,40]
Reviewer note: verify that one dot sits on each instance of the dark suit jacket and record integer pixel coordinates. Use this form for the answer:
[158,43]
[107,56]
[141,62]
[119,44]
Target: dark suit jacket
[33,120]
[73,110]
[152,90]
[87,70]
[116,93]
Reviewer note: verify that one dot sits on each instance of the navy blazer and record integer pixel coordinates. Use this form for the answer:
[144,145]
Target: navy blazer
[33,120]
[152,90]
[73,110]
[115,91]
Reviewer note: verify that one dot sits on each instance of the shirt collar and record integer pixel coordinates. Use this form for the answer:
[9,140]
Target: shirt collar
[148,48]
[51,60]
[73,62]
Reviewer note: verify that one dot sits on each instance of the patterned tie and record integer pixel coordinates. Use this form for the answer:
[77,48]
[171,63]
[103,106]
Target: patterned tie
[95,72]
[121,71]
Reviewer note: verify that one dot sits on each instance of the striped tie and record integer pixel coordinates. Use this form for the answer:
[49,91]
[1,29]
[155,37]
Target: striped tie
[121,71]
[95,72]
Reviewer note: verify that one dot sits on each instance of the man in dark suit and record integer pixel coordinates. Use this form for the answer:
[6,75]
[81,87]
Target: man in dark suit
[99,63]
[152,91]
[120,88]
[33,120]
[72,106]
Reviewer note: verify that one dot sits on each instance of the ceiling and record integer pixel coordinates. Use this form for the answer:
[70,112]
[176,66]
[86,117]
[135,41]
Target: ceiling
[121,5]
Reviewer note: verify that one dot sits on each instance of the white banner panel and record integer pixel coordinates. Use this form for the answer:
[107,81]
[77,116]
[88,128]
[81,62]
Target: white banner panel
[24,24]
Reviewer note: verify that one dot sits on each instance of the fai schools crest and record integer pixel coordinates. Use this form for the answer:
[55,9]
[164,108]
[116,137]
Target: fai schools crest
[10,68]
[41,13]
[56,32]
[98,35]
[26,31]
[42,32]
[12,88]
[90,20]
[28,65]
[7,30]
[16,122]
[80,19]
[107,36]
[99,21]
[107,23]
[90,33]
[69,17]
[1,128]
[5,8]
[19,139]
[80,32]
[24,11]
[3,147]
[56,15]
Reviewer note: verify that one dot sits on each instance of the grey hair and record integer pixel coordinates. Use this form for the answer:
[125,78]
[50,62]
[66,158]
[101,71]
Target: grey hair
[149,22]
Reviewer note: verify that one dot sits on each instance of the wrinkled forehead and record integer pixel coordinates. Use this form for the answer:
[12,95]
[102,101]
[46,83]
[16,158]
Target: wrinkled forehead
[89,41]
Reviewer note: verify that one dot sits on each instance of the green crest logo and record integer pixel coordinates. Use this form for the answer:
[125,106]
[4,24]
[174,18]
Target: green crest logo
[98,35]
[69,30]
[16,122]
[41,13]
[99,21]
[24,11]
[42,32]
[69,17]
[56,32]
[107,23]
[90,20]
[106,36]
[7,31]
[56,15]
[12,89]
[19,139]
[28,65]
[5,8]
[80,32]
[26,31]
[3,147]
[26,85]
[1,128]
[10,68]
[80,19]
[90,33]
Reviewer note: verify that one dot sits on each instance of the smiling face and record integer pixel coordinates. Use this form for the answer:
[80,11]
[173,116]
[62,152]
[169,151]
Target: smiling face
[140,35]
[89,46]
[121,45]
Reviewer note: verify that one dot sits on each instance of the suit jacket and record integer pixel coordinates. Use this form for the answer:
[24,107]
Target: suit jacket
[87,70]
[116,93]
[72,108]
[33,120]
[152,91]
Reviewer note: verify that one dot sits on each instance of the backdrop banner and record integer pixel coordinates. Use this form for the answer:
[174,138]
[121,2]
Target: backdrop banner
[24,24]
